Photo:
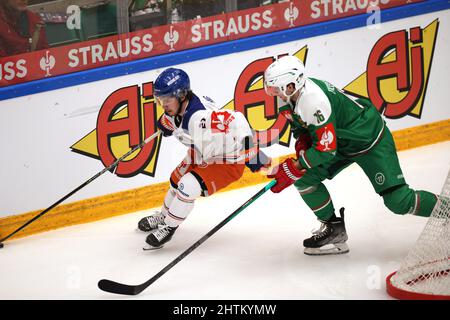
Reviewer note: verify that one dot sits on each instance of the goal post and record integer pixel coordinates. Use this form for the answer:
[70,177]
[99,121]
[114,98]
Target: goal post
[425,272]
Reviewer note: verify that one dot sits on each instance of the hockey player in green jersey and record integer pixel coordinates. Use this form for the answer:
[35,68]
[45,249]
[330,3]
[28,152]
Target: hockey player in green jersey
[334,130]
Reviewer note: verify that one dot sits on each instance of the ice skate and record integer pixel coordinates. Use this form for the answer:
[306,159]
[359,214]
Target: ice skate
[151,222]
[157,239]
[330,238]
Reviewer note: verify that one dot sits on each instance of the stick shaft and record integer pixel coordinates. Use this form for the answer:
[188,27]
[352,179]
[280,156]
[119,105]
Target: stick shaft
[118,288]
[110,167]
[210,233]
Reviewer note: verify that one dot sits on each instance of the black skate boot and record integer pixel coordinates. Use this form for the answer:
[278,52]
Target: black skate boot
[329,239]
[151,222]
[157,239]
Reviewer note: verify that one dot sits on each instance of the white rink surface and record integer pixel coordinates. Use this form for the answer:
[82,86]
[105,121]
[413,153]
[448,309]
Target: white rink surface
[258,255]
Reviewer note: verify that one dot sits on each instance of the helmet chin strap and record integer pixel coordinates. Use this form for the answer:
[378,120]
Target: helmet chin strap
[180,107]
[178,117]
[300,90]
[290,95]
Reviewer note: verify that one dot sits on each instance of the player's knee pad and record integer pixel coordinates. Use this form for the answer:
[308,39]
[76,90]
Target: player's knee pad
[400,199]
[189,188]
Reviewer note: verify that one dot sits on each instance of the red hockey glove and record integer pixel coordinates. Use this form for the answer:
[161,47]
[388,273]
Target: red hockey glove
[303,143]
[285,174]
[165,126]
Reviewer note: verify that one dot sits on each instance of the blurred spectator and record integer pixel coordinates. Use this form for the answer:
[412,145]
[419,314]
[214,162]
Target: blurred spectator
[247,4]
[21,30]
[147,14]
[192,9]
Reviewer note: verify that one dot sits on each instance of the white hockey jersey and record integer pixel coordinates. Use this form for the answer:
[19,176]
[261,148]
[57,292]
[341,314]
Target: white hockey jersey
[217,136]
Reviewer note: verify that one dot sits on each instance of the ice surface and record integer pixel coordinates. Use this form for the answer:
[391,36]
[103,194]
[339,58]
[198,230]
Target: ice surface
[258,255]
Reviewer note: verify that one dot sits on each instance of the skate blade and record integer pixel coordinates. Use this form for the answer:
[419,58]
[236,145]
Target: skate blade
[150,248]
[337,248]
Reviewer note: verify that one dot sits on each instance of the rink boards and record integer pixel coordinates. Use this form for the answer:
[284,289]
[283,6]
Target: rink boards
[55,140]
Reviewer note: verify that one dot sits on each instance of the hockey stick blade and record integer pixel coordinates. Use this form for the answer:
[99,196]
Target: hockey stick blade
[119,288]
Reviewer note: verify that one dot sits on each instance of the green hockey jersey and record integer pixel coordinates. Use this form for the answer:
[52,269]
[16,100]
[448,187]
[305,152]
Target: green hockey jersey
[337,123]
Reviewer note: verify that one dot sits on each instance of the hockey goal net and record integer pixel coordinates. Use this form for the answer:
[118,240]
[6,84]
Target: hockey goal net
[425,273]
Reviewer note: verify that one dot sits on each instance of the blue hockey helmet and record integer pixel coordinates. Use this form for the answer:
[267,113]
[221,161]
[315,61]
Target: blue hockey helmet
[172,82]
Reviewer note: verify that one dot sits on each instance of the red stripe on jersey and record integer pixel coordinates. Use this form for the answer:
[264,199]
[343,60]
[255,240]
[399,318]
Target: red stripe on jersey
[220,121]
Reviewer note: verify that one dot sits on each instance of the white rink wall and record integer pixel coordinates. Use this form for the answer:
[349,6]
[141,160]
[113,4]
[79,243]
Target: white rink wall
[37,131]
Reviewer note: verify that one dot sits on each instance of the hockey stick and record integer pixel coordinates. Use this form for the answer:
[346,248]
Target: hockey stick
[119,288]
[83,185]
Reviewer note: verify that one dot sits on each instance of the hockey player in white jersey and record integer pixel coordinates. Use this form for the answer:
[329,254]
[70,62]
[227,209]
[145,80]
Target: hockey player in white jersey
[220,145]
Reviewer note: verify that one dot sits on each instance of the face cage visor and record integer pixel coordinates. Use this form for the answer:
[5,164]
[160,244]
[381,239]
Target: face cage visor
[274,91]
[180,95]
